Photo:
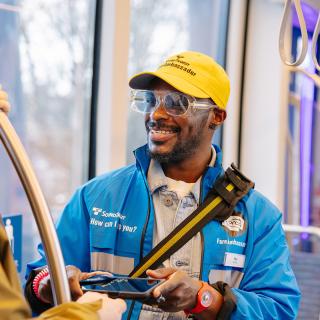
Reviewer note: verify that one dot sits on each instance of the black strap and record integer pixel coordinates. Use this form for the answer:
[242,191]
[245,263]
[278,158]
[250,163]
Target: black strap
[229,300]
[218,205]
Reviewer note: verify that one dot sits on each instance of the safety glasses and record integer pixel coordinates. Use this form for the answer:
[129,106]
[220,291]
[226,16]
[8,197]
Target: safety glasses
[175,103]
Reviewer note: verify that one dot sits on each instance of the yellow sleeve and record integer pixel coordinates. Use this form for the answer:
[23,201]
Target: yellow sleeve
[73,311]
[12,302]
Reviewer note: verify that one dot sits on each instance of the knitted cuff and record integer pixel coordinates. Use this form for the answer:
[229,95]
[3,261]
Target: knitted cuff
[36,282]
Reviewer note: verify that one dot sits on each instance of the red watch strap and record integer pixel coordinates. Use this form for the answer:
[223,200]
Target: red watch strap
[199,307]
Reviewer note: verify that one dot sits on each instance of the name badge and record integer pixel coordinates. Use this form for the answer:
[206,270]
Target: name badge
[234,260]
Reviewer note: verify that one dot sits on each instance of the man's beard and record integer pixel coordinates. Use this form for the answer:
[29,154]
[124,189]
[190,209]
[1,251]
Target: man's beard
[181,150]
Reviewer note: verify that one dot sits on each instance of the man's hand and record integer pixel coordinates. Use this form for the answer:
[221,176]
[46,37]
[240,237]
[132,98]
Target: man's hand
[4,103]
[111,308]
[179,290]
[74,276]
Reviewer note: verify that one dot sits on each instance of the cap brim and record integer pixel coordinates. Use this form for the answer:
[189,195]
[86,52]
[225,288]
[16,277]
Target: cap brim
[142,81]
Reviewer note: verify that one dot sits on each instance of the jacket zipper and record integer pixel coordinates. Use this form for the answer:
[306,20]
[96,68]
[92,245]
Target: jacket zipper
[144,230]
[201,232]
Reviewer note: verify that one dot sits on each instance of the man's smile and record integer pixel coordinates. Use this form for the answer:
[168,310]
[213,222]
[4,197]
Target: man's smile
[161,133]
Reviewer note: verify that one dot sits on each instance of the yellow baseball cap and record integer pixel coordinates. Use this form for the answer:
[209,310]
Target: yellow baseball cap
[193,73]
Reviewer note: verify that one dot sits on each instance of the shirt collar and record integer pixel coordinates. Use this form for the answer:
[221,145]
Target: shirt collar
[157,179]
[156,176]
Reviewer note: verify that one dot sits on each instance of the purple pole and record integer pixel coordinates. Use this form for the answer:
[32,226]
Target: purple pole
[306,112]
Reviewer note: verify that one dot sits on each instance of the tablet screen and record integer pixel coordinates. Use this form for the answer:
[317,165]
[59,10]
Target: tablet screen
[138,285]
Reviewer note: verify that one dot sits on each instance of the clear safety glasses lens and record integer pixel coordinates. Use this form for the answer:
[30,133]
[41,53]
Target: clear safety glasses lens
[146,101]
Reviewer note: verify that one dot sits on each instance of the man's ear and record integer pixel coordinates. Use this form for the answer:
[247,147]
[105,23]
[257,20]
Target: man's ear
[217,117]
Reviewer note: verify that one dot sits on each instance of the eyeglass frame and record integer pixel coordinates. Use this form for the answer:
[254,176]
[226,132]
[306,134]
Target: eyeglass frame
[194,104]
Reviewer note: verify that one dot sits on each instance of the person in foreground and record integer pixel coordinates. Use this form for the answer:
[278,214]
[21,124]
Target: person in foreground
[237,269]
[91,306]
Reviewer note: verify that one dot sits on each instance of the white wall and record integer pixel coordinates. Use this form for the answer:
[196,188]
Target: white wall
[234,65]
[265,102]
[112,97]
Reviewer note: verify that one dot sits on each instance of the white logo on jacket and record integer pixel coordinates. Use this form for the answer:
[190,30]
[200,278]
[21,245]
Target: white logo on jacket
[96,211]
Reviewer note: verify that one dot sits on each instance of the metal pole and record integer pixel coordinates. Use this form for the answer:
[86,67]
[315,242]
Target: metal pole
[21,162]
[301,229]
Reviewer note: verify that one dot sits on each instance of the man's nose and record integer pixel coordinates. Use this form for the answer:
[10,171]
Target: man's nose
[159,112]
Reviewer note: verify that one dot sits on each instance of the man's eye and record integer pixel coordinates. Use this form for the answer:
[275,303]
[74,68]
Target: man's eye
[150,99]
[183,100]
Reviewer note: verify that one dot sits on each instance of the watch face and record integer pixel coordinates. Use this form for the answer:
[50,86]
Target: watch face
[206,298]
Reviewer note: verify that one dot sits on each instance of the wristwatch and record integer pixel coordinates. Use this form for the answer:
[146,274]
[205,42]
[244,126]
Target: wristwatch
[204,299]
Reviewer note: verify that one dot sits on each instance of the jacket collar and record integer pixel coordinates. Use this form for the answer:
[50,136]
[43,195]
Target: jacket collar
[209,176]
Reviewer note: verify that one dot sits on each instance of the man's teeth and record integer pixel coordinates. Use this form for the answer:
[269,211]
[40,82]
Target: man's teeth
[161,131]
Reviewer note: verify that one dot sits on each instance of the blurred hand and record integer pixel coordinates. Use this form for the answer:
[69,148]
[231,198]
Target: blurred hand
[179,290]
[112,309]
[4,103]
[74,276]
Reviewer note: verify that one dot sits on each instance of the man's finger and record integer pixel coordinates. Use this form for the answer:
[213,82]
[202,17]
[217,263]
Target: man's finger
[75,288]
[76,293]
[166,287]
[86,275]
[4,105]
[3,95]
[122,306]
[161,273]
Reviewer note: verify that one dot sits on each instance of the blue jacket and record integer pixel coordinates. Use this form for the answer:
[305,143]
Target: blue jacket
[108,224]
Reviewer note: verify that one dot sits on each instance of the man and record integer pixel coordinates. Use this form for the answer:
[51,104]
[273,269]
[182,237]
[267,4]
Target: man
[114,220]
[91,306]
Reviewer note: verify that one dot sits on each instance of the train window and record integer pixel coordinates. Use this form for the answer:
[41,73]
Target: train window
[46,67]
[302,201]
[157,33]
[303,161]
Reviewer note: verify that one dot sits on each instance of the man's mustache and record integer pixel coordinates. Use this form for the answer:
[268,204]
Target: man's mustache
[160,125]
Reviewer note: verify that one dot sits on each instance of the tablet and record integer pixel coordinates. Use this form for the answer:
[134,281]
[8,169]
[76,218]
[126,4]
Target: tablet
[123,287]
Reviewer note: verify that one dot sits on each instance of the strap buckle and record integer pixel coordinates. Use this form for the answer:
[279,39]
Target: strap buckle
[241,183]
